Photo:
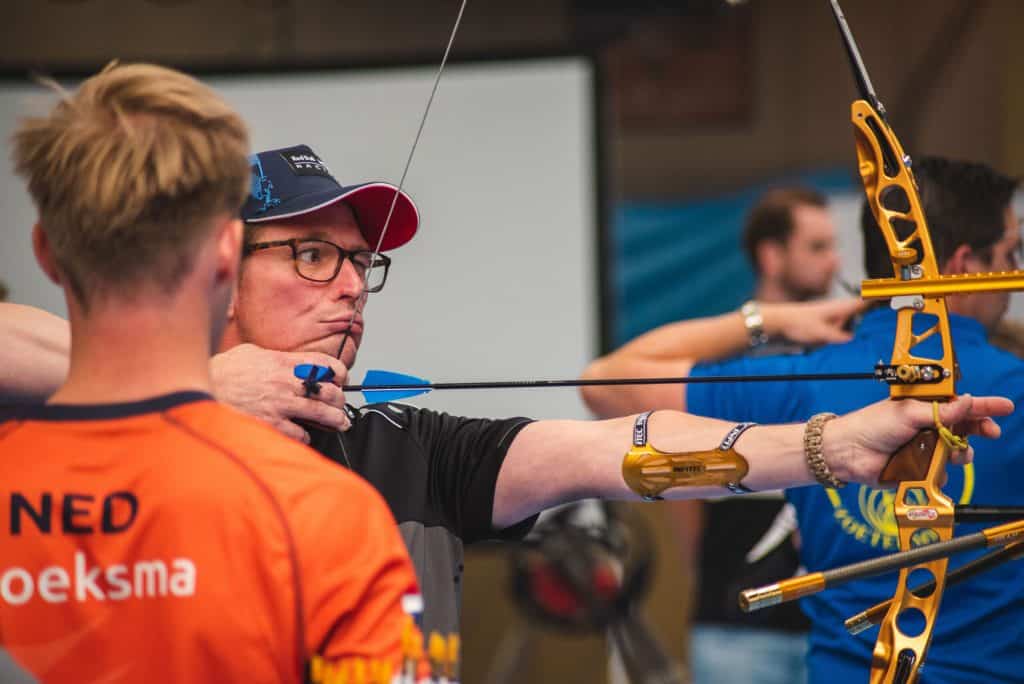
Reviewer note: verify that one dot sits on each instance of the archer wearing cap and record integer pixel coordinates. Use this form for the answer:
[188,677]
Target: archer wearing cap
[449,480]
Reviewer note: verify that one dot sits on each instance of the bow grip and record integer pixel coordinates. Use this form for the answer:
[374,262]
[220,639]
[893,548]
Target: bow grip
[911,461]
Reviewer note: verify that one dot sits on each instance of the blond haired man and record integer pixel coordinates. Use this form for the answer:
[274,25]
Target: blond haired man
[151,534]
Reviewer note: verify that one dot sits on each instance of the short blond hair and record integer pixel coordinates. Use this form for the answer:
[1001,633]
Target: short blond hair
[128,172]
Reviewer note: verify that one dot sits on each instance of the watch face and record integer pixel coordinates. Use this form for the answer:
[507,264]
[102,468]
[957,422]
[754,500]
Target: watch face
[753,321]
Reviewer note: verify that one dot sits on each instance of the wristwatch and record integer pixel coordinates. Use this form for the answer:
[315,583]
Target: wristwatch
[753,321]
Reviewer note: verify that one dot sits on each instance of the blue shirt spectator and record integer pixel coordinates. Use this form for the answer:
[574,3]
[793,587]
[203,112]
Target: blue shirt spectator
[979,632]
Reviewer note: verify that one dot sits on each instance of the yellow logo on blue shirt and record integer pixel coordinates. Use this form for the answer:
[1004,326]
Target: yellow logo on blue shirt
[874,523]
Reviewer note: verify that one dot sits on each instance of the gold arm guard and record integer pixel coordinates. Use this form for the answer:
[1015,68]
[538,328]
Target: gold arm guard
[649,472]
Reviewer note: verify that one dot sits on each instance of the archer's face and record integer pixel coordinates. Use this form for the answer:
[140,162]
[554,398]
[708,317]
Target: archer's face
[277,309]
[990,307]
[810,256]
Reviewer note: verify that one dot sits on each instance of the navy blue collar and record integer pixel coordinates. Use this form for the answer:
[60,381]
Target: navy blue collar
[65,412]
[882,320]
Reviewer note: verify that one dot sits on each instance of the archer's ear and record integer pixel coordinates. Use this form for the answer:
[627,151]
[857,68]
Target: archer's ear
[233,303]
[229,249]
[44,254]
[956,264]
[770,257]
[239,236]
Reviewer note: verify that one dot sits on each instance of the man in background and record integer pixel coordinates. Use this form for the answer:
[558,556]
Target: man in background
[790,239]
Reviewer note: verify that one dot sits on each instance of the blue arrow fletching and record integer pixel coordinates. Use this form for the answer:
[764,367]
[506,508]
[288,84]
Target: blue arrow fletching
[321,374]
[385,378]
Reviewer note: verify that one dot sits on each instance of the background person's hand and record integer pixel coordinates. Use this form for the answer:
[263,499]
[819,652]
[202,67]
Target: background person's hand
[811,323]
[262,383]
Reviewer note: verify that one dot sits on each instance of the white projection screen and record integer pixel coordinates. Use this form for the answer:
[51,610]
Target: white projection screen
[502,279]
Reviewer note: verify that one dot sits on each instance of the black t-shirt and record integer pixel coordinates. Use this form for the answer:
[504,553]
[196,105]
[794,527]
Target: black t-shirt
[437,473]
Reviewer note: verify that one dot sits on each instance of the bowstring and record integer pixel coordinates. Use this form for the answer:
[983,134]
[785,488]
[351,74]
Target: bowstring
[360,303]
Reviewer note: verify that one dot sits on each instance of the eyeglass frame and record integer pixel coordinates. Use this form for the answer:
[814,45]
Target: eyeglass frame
[343,255]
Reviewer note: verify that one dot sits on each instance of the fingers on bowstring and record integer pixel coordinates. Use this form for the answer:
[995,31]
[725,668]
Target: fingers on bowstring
[316,411]
[292,430]
[340,371]
[331,395]
[304,389]
[325,393]
[333,398]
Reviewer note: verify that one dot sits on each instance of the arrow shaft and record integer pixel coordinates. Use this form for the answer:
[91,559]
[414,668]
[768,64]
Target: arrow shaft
[874,615]
[525,384]
[812,583]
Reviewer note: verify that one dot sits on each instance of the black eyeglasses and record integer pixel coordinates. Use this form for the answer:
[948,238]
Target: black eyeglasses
[320,261]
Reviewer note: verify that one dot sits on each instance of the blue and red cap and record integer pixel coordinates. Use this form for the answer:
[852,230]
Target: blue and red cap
[293,181]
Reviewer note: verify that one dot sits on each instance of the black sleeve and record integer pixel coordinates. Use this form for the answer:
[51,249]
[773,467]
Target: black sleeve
[464,457]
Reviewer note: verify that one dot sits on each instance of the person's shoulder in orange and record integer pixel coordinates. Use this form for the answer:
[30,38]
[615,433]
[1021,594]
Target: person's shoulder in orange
[355,569]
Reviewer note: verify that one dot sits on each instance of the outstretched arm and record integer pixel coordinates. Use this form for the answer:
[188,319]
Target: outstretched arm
[673,349]
[554,462]
[34,348]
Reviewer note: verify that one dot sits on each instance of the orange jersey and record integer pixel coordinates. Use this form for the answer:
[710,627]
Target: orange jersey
[176,540]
